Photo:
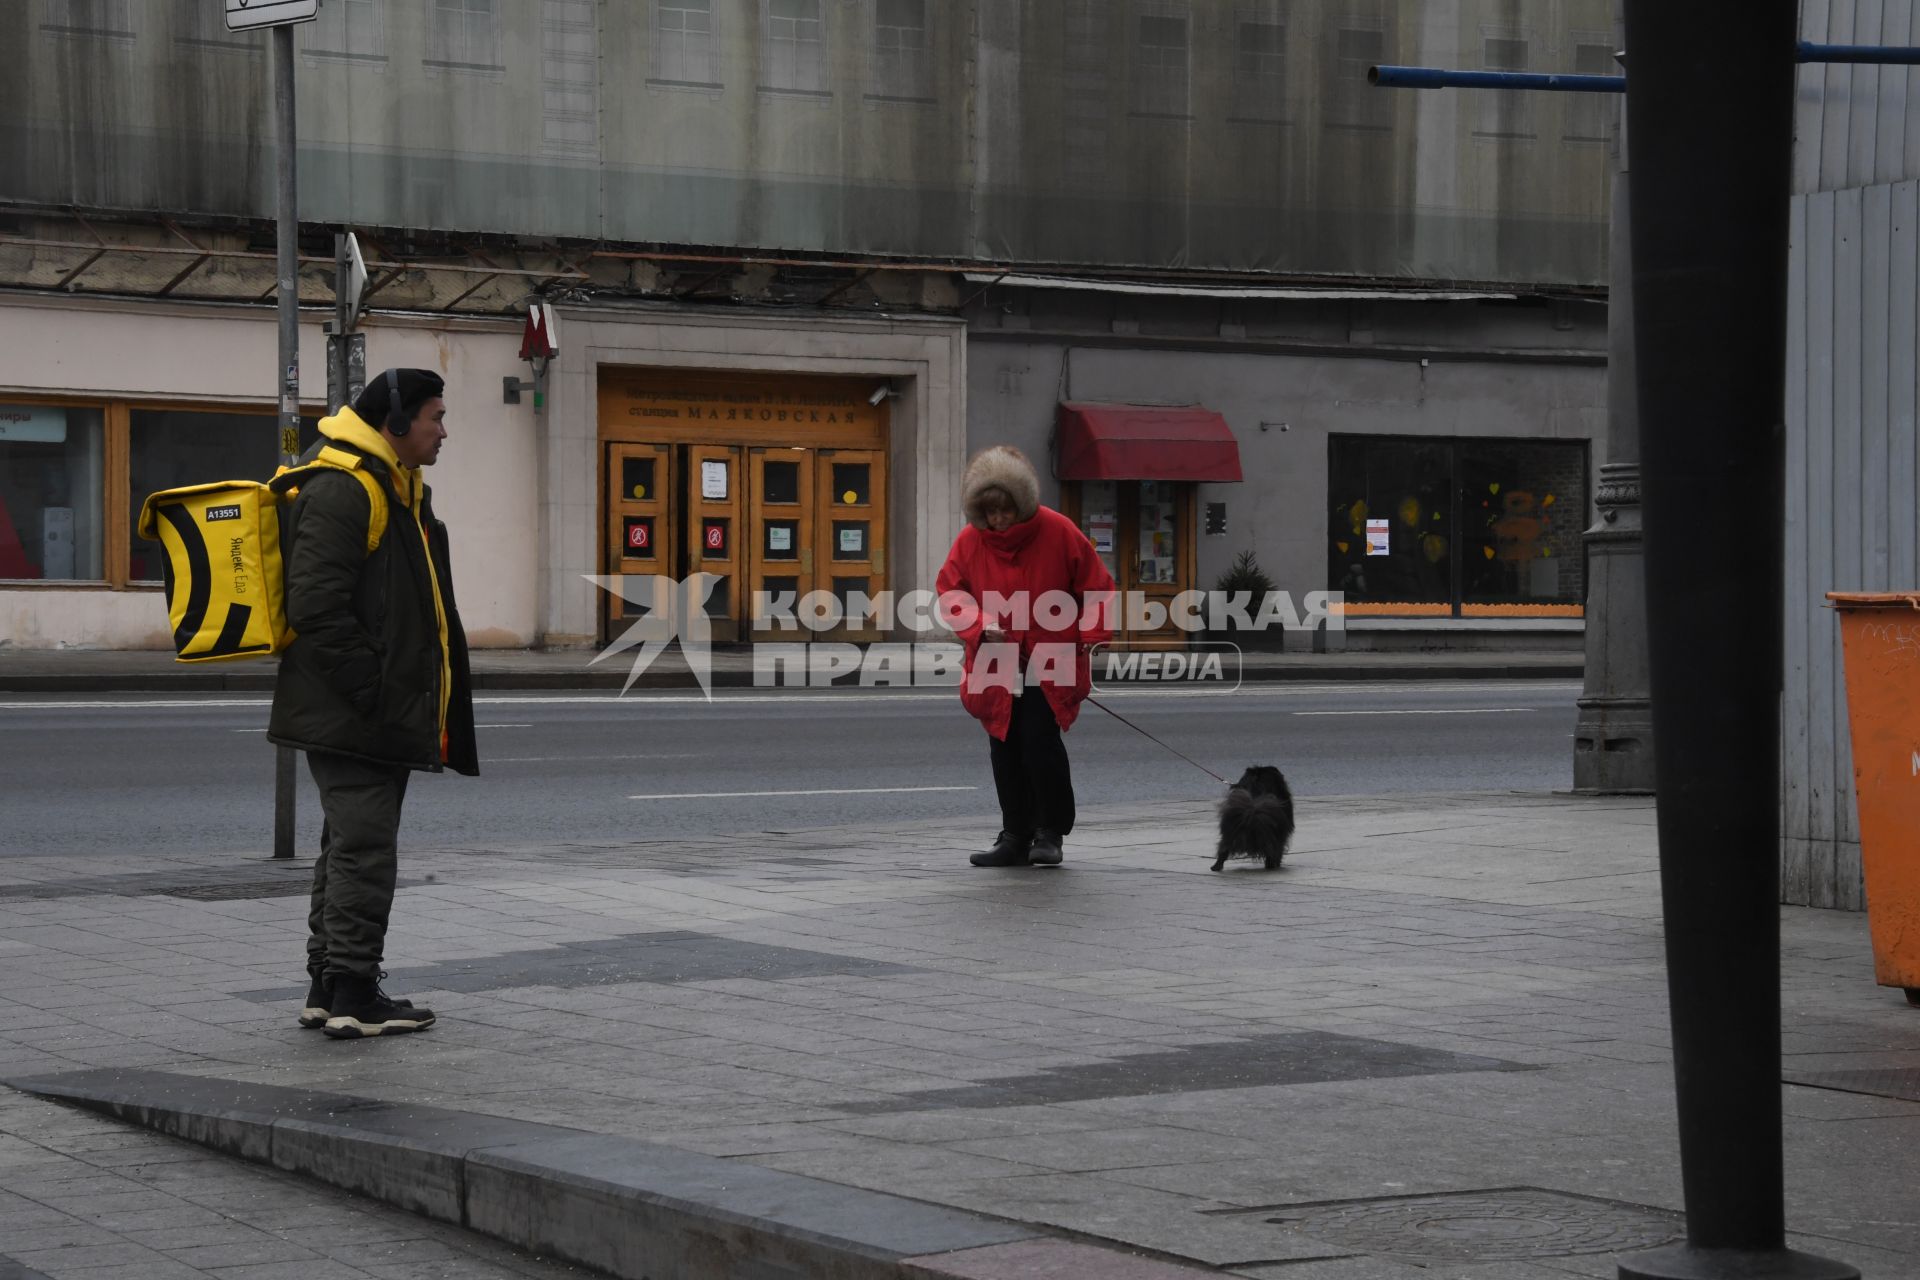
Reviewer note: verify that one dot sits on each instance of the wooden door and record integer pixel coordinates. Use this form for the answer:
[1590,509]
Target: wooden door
[1159,551]
[851,532]
[641,538]
[1143,532]
[713,531]
[781,501]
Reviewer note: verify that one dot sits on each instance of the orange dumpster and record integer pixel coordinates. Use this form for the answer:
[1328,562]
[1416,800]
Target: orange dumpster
[1880,638]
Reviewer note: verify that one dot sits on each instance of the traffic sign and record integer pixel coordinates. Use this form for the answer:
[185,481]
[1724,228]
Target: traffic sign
[353,279]
[251,15]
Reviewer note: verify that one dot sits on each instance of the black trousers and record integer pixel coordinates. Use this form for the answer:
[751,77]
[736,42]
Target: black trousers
[1030,770]
[354,876]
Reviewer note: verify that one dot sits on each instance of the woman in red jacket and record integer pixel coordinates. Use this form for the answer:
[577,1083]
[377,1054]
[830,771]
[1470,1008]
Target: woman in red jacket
[1027,595]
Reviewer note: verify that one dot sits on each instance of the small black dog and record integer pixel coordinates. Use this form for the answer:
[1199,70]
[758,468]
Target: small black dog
[1256,818]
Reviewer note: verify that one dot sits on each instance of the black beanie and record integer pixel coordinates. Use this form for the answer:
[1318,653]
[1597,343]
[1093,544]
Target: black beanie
[417,386]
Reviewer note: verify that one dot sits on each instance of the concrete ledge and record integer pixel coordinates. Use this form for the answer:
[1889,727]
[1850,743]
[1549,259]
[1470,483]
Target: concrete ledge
[631,1208]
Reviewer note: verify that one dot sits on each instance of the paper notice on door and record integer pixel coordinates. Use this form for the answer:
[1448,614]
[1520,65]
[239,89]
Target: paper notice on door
[1377,538]
[1100,532]
[851,539]
[713,480]
[779,538]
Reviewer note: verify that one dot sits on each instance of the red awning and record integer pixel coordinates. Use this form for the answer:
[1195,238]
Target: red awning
[1136,442]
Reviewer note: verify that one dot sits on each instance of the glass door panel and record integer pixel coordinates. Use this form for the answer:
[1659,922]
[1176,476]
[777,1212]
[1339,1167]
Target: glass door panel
[851,532]
[640,533]
[781,556]
[1160,543]
[714,507]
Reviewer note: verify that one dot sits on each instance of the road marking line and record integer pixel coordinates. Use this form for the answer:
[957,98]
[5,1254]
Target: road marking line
[828,791]
[661,755]
[503,726]
[1276,689]
[1409,711]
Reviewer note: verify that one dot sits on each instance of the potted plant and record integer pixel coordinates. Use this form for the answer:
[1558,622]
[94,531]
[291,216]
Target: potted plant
[1247,578]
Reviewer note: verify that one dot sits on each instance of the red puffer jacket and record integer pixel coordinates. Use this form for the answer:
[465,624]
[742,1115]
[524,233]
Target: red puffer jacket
[1046,552]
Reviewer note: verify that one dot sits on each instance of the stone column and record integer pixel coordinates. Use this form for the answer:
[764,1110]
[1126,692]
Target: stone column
[1613,739]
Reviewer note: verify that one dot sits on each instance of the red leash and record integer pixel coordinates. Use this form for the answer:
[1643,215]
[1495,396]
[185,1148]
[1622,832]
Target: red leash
[1150,738]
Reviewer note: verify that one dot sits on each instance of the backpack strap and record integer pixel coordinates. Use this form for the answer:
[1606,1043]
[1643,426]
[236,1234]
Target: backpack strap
[286,482]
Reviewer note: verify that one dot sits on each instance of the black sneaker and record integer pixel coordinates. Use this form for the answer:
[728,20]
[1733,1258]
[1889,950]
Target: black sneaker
[1046,849]
[361,1009]
[1008,850]
[320,1000]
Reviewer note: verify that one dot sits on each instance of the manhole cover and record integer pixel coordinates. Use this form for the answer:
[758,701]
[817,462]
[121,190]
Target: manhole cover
[1486,1226]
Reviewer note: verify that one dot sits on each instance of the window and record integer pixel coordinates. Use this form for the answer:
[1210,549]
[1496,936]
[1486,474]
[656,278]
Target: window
[348,30]
[683,49]
[1352,103]
[64,516]
[1160,64]
[569,64]
[902,52]
[110,18]
[1505,113]
[171,447]
[1457,527]
[1260,72]
[795,47]
[52,476]
[1590,115]
[463,35]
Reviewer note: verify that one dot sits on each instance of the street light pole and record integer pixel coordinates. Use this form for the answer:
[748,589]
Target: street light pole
[287,369]
[1710,120]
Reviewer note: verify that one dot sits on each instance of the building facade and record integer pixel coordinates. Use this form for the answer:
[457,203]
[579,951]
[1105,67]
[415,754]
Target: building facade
[807,255]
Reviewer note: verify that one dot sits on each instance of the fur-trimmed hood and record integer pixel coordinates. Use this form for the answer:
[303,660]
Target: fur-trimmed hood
[1005,468]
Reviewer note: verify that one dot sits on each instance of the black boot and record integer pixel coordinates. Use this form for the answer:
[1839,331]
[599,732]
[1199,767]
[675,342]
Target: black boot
[360,1008]
[1046,849]
[319,1004]
[319,1001]
[1008,850]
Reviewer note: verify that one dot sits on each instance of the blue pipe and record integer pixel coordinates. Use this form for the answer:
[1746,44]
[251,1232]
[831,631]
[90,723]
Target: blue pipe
[1430,78]
[1871,53]
[1434,78]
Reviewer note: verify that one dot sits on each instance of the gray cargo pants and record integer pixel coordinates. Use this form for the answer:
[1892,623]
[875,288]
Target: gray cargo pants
[353,878]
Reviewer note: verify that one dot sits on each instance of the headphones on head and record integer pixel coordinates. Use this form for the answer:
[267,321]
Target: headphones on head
[398,421]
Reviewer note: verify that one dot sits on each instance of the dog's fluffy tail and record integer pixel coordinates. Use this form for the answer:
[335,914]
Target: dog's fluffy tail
[1257,825]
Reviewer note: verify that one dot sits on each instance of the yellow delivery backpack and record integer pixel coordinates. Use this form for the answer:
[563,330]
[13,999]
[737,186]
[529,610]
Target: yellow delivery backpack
[226,586]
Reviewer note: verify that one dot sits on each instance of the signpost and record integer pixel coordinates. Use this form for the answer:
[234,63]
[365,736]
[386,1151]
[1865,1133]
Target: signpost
[250,15]
[346,349]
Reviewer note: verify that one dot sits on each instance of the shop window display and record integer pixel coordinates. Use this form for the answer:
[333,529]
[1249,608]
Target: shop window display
[1457,527]
[167,448]
[52,477]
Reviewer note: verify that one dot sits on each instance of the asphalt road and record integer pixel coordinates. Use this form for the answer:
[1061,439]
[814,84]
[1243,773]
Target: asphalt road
[113,772]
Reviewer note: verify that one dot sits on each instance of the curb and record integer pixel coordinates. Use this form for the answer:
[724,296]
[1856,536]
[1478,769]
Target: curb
[262,681]
[630,1208]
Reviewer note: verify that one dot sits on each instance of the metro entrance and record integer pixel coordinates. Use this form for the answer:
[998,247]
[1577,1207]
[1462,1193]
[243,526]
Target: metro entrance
[775,486]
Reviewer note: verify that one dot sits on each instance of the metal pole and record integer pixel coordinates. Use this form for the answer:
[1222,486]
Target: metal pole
[287,370]
[1712,159]
[1613,737]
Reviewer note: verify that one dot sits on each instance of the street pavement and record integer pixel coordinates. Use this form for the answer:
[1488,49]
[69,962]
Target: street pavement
[98,771]
[1433,1045]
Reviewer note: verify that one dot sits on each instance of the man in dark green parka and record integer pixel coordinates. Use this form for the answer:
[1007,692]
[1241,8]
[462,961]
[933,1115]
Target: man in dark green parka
[375,685]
